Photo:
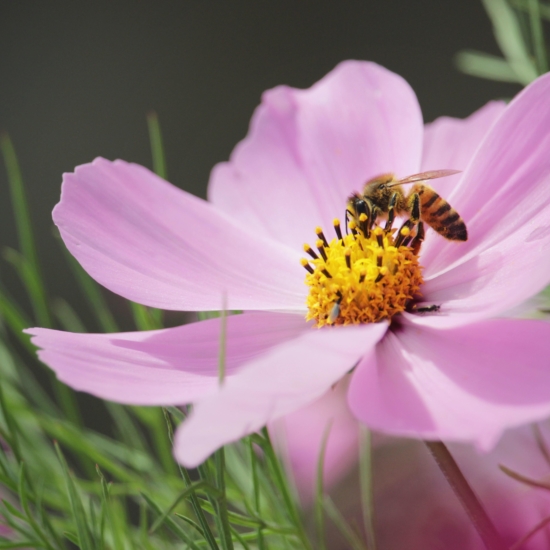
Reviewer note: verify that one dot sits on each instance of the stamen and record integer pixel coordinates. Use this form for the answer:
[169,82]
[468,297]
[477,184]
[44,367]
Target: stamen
[310,251]
[362,278]
[336,223]
[321,249]
[305,264]
[321,236]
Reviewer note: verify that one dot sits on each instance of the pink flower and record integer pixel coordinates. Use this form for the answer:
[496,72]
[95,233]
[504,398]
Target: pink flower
[428,515]
[461,373]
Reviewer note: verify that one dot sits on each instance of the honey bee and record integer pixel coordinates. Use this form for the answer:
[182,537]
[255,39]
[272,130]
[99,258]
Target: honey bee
[383,195]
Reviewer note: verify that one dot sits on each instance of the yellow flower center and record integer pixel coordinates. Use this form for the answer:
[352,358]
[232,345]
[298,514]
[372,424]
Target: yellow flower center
[358,278]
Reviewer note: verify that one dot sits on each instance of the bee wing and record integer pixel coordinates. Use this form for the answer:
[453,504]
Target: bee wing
[423,176]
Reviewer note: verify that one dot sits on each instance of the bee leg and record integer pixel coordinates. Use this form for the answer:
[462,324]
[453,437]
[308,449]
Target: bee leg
[425,309]
[405,230]
[373,216]
[418,239]
[391,213]
[335,311]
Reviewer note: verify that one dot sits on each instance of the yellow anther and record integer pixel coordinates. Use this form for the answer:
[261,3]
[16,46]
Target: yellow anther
[363,217]
[335,222]
[405,231]
[319,243]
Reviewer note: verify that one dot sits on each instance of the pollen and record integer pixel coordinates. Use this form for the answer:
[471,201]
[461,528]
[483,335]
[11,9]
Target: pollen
[361,277]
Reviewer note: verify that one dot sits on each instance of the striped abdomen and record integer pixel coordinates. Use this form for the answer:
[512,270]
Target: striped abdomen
[439,214]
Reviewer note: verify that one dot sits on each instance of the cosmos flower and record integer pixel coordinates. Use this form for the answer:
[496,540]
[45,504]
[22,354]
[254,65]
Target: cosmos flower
[458,371]
[429,516]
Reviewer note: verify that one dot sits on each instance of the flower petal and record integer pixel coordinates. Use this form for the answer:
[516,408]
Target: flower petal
[163,367]
[467,383]
[152,243]
[494,282]
[299,436]
[450,143]
[504,197]
[307,150]
[276,383]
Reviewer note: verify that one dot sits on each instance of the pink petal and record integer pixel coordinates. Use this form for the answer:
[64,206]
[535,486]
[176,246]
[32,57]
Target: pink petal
[299,436]
[493,283]
[152,243]
[307,150]
[467,383]
[275,384]
[504,197]
[411,492]
[452,143]
[164,367]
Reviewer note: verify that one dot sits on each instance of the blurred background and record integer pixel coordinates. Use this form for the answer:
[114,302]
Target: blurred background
[78,78]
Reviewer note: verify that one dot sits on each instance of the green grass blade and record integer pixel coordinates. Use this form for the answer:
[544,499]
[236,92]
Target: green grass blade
[183,495]
[256,490]
[334,514]
[170,523]
[320,490]
[77,509]
[221,501]
[484,65]
[25,544]
[195,504]
[92,293]
[23,497]
[510,39]
[367,497]
[282,483]
[33,280]
[157,147]
[15,319]
[537,36]
[67,316]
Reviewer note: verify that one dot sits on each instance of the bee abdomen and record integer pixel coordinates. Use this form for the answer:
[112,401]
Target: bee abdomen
[440,215]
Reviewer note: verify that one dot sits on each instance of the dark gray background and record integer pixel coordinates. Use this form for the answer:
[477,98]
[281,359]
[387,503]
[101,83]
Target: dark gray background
[77,79]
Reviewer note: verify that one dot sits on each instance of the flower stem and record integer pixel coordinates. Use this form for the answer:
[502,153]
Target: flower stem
[471,504]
